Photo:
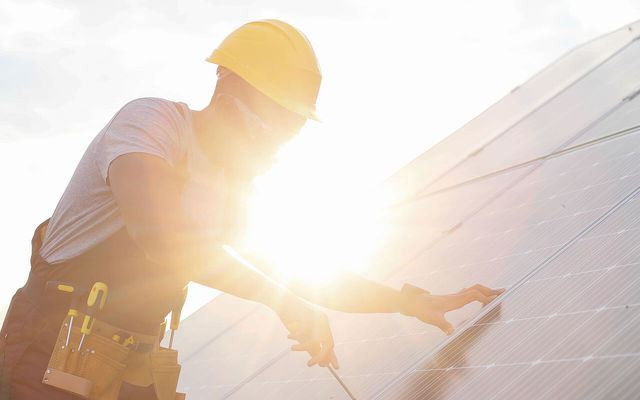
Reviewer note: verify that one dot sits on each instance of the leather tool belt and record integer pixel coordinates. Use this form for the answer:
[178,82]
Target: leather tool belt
[109,356]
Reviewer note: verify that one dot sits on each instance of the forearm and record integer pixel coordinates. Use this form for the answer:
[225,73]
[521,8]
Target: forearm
[350,292]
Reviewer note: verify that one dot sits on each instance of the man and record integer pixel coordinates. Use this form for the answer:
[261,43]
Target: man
[155,196]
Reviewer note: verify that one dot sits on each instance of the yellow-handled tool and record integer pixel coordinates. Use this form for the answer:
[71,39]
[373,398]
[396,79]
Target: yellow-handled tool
[175,314]
[76,296]
[95,302]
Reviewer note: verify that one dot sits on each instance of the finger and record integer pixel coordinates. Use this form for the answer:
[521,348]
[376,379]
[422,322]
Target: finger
[327,341]
[487,291]
[443,324]
[322,358]
[299,336]
[334,360]
[455,301]
[311,347]
[326,353]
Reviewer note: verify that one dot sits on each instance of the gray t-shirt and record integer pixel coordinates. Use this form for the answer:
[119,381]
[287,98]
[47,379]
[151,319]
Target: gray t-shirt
[87,213]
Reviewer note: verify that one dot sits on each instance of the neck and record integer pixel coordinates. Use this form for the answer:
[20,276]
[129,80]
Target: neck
[208,133]
[212,134]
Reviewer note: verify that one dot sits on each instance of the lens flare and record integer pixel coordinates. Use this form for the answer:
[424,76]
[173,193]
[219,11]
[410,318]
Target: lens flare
[311,236]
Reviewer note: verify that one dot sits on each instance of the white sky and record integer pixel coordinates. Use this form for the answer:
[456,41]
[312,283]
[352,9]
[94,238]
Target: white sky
[398,76]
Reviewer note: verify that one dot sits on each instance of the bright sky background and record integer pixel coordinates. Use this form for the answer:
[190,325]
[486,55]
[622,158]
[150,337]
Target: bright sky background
[398,76]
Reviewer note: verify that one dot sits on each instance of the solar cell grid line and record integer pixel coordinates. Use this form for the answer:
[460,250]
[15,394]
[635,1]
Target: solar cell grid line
[587,220]
[597,317]
[515,106]
[547,129]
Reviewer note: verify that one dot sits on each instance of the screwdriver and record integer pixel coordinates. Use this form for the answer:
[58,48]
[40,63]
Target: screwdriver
[175,314]
[95,302]
[76,295]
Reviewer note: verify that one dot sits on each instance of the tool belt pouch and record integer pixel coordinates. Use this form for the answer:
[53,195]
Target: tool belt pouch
[90,373]
[165,371]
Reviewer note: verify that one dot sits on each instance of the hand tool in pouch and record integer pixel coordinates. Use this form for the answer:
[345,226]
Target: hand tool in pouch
[76,295]
[175,315]
[95,302]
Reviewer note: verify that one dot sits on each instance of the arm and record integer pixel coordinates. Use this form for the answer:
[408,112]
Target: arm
[353,293]
[350,292]
[147,190]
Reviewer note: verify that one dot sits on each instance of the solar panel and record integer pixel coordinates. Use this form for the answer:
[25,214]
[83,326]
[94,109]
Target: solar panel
[570,331]
[196,333]
[507,112]
[549,229]
[559,120]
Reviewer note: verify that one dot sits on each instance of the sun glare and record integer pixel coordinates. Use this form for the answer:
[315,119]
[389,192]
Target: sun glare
[310,229]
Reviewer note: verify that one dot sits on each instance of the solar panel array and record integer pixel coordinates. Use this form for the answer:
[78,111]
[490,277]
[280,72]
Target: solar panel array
[544,204]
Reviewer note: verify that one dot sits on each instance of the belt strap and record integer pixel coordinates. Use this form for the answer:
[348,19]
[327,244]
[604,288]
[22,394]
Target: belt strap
[142,342]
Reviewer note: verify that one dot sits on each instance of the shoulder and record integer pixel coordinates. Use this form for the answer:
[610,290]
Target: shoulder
[153,107]
[146,125]
[150,115]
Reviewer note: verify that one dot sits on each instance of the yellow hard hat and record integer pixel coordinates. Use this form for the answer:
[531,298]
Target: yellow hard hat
[275,58]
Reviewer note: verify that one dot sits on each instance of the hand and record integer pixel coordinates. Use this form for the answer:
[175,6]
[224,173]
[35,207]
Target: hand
[310,327]
[431,308]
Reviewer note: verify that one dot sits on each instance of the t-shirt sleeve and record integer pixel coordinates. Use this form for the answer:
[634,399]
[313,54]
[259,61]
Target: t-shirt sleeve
[151,126]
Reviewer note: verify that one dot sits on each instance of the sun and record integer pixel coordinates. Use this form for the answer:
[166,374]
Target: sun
[309,222]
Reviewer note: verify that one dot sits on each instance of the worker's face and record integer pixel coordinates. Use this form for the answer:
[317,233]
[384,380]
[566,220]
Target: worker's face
[260,128]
